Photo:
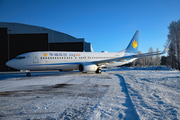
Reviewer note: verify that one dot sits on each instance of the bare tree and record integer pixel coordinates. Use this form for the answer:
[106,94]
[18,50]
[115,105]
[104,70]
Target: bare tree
[157,60]
[134,63]
[143,61]
[147,61]
[139,60]
[151,58]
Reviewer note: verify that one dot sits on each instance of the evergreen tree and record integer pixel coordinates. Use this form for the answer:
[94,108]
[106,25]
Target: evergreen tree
[163,60]
[172,59]
[174,49]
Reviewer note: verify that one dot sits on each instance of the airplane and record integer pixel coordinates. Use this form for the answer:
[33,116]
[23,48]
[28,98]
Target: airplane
[82,61]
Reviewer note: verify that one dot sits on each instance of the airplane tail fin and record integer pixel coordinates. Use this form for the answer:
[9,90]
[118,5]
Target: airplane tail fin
[133,45]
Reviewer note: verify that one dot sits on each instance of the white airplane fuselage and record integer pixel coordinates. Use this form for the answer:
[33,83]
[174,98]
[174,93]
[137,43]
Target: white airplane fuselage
[65,61]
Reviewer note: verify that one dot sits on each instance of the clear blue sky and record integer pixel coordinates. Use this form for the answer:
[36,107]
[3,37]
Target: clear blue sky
[107,24]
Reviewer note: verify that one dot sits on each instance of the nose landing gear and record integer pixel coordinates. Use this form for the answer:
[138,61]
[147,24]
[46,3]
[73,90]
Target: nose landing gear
[28,74]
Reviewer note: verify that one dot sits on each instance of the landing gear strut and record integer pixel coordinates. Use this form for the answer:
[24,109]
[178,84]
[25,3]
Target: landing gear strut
[98,71]
[28,74]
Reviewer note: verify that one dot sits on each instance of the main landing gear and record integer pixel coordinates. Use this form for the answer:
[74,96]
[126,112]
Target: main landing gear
[98,71]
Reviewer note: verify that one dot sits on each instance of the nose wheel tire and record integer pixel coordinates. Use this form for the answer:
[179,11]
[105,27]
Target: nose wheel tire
[98,71]
[28,74]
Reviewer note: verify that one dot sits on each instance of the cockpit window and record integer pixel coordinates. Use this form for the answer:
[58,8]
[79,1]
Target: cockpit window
[20,57]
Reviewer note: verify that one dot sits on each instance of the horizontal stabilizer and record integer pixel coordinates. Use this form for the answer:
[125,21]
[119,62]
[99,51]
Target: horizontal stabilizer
[130,56]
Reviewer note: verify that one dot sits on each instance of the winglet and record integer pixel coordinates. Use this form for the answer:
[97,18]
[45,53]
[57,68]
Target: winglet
[166,48]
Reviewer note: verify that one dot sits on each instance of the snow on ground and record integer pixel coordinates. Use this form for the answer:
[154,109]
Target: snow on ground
[154,94]
[114,94]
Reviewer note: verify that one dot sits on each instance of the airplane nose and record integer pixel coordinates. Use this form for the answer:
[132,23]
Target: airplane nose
[10,63]
[13,64]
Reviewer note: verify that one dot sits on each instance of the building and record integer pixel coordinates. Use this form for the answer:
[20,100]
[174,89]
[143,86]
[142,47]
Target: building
[16,38]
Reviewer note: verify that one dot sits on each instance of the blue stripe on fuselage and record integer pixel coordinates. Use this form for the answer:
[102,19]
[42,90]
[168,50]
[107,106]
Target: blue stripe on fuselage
[52,64]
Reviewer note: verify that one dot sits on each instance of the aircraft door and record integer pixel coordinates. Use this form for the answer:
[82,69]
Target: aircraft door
[35,58]
[87,58]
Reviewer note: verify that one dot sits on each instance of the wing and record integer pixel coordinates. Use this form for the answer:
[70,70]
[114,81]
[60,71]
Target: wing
[131,56]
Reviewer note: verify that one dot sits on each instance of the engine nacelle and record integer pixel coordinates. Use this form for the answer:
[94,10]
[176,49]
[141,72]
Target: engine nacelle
[87,67]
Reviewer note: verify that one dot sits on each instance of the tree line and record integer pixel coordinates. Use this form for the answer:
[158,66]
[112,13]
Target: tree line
[147,61]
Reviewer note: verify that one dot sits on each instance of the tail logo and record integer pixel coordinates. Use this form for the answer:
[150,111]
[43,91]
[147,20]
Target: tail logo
[134,44]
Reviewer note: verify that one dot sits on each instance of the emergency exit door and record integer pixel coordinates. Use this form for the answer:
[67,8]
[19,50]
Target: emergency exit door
[35,58]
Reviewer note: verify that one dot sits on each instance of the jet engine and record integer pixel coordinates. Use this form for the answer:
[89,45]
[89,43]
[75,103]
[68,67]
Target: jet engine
[87,67]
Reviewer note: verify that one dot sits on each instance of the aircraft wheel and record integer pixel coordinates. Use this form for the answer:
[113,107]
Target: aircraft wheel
[99,71]
[28,74]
